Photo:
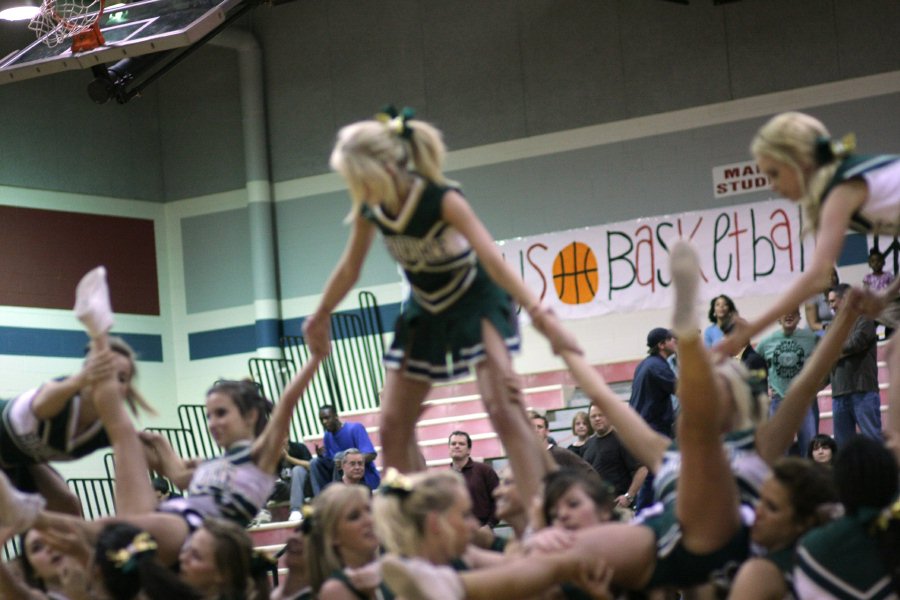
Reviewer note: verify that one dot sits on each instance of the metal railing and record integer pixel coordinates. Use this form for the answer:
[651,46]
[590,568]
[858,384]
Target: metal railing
[350,378]
[98,498]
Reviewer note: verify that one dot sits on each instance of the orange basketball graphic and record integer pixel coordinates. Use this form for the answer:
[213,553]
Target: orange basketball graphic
[575,274]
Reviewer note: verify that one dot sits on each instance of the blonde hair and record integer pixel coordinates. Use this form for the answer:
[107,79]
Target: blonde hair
[366,150]
[322,558]
[134,398]
[791,138]
[752,404]
[400,514]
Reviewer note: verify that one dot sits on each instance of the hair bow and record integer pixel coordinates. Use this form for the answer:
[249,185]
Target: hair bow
[124,558]
[397,483]
[397,121]
[309,518]
[827,149]
[891,513]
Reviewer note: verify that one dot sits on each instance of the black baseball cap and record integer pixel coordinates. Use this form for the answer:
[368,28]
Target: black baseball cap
[657,335]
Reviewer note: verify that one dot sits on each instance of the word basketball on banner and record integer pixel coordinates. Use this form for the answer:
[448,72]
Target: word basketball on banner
[745,249]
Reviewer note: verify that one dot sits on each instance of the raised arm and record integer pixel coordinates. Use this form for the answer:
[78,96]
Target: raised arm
[268,447]
[775,436]
[457,212]
[842,202]
[317,326]
[644,444]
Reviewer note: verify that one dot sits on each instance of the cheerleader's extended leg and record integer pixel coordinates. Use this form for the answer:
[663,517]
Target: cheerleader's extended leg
[707,499]
[401,405]
[502,397]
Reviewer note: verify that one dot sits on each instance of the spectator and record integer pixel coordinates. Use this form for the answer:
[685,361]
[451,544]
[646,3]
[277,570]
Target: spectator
[878,279]
[651,394]
[818,310]
[339,437]
[822,449]
[353,465]
[785,352]
[721,312]
[654,382]
[856,400]
[562,457]
[612,461]
[581,429]
[295,466]
[481,479]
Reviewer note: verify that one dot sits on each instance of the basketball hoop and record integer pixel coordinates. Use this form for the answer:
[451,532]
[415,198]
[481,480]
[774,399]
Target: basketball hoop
[59,20]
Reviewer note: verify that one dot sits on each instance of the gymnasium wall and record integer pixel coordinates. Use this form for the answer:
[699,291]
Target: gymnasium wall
[559,113]
[589,176]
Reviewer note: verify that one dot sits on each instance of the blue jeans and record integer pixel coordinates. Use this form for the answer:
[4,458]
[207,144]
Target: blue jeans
[322,470]
[807,429]
[298,482]
[860,409]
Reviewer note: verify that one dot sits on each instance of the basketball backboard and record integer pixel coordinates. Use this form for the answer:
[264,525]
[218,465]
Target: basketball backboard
[130,30]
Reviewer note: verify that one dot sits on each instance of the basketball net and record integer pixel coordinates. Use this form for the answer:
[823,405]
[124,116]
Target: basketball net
[59,20]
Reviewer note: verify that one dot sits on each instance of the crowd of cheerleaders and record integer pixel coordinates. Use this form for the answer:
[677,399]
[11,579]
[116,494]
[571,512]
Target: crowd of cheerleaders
[732,514]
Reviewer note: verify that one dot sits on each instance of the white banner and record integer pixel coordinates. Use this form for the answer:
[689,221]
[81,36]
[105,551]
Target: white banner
[749,249]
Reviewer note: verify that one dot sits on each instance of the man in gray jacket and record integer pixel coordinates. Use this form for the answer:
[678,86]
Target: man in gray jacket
[855,399]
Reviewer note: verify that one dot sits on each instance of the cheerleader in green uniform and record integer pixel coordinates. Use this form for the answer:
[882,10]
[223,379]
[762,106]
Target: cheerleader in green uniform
[460,314]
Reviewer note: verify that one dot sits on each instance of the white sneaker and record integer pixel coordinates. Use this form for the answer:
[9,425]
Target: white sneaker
[263,516]
[295,517]
[92,305]
[418,579]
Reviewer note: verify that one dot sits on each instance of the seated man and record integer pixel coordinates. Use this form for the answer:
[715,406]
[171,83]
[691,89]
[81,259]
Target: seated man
[340,437]
[353,465]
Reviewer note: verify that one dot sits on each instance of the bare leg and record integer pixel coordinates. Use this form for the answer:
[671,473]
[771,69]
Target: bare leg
[401,405]
[707,498]
[134,493]
[53,487]
[499,387]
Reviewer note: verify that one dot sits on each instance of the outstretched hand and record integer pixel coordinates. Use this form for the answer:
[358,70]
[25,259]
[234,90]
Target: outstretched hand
[560,338]
[871,304]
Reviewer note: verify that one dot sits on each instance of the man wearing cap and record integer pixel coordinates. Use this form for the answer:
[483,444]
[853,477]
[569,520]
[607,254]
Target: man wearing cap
[651,394]
[654,382]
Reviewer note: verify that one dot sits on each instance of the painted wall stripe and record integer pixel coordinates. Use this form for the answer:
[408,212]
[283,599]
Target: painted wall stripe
[60,343]
[242,339]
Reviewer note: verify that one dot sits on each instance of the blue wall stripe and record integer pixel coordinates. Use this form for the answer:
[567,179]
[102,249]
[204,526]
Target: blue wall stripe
[63,343]
[268,332]
[241,340]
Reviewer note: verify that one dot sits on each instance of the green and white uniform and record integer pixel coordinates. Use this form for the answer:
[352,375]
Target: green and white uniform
[880,213]
[842,560]
[675,565]
[438,333]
